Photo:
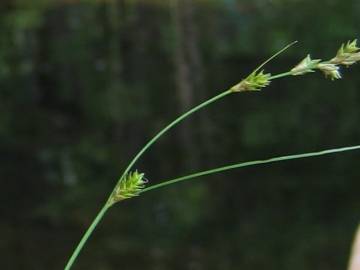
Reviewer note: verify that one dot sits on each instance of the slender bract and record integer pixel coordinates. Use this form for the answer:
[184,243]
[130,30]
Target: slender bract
[132,183]
[248,164]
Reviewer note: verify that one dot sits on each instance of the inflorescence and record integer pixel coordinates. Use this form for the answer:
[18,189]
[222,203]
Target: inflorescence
[129,186]
[347,55]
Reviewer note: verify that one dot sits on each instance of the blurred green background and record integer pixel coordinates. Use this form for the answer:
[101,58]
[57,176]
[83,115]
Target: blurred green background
[84,84]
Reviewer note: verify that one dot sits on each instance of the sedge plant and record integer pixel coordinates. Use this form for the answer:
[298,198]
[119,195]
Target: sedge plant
[132,183]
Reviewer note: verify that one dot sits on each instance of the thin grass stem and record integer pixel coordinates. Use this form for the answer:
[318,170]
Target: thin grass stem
[248,164]
[85,237]
[281,75]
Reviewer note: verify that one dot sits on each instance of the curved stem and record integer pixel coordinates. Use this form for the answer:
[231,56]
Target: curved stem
[87,234]
[173,123]
[141,152]
[249,163]
[185,115]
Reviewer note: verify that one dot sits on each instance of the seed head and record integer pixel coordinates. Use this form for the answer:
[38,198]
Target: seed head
[305,66]
[128,187]
[254,82]
[330,70]
[347,55]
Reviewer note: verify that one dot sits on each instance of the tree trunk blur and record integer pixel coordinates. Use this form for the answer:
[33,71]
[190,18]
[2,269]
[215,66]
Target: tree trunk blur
[115,12]
[188,73]
[115,93]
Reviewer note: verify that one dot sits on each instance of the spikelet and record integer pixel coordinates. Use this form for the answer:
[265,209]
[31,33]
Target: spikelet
[331,71]
[128,187]
[254,82]
[305,66]
[347,55]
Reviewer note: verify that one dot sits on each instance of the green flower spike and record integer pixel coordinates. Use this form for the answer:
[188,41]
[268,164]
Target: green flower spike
[130,186]
[305,66]
[347,55]
[254,82]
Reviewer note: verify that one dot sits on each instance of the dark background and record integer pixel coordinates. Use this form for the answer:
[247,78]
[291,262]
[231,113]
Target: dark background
[84,84]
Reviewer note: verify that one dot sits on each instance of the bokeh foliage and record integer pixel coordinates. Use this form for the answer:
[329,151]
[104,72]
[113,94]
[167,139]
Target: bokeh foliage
[83,84]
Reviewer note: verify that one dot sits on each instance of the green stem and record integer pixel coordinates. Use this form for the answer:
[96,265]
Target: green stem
[86,236]
[173,123]
[200,106]
[277,76]
[249,163]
